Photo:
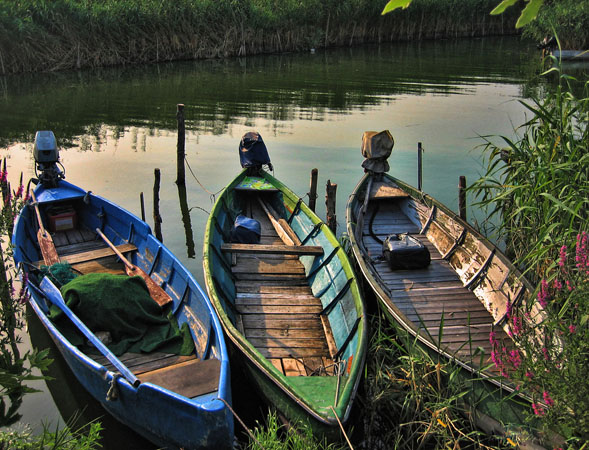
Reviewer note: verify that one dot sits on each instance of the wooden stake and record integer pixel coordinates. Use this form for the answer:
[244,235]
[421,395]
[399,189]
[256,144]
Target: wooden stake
[419,166]
[157,219]
[462,197]
[141,200]
[330,204]
[313,190]
[181,146]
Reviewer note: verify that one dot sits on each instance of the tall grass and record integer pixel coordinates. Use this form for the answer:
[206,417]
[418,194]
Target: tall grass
[61,34]
[537,187]
[414,399]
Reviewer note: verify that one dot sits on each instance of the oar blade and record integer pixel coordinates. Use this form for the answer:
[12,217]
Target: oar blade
[47,248]
[155,290]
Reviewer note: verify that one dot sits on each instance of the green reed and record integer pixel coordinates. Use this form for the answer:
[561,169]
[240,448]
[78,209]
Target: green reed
[413,398]
[62,34]
[537,187]
[274,436]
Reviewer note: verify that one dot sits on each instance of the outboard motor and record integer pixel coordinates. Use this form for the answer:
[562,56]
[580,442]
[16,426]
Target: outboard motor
[253,153]
[46,157]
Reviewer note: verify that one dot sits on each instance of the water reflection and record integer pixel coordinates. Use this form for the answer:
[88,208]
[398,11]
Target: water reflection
[280,88]
[190,252]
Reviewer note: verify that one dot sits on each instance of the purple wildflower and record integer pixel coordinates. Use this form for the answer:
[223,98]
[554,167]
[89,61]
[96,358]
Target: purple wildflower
[538,410]
[547,398]
[515,358]
[543,294]
[563,256]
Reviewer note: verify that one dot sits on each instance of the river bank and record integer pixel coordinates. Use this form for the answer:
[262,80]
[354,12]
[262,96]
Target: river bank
[68,34]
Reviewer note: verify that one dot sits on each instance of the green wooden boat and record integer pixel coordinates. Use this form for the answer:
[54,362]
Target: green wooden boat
[451,305]
[290,304]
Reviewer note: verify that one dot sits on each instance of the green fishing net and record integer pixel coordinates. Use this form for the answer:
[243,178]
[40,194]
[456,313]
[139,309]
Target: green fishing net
[59,273]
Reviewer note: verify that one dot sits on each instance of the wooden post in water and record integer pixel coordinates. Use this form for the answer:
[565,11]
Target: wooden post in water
[157,219]
[141,200]
[181,146]
[419,166]
[313,190]
[462,197]
[330,203]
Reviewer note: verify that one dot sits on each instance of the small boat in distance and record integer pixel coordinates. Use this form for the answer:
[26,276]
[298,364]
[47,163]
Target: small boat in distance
[451,299]
[287,297]
[148,347]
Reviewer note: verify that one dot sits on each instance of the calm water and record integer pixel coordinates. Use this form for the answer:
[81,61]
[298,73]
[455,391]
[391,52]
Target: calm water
[115,126]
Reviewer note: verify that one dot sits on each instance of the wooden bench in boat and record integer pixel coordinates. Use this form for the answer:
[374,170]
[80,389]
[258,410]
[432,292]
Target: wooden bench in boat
[185,375]
[273,249]
[76,258]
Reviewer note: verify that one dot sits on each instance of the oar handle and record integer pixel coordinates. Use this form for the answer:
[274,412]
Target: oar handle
[114,249]
[50,291]
[36,206]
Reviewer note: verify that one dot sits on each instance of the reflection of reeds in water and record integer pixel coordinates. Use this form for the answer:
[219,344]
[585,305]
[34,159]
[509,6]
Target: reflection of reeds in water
[65,34]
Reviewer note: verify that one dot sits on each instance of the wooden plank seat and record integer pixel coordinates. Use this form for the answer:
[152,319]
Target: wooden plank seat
[76,258]
[273,249]
[185,375]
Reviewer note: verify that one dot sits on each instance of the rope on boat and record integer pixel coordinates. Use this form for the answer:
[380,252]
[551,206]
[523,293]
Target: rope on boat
[113,389]
[341,427]
[251,435]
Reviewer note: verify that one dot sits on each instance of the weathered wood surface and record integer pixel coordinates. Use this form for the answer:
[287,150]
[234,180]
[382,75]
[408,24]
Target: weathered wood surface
[426,295]
[189,378]
[275,305]
[272,249]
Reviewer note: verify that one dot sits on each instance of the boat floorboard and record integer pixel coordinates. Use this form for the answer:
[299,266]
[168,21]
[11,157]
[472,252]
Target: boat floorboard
[433,298]
[277,311]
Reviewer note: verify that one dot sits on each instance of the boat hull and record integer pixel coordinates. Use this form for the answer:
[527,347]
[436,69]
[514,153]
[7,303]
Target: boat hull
[161,415]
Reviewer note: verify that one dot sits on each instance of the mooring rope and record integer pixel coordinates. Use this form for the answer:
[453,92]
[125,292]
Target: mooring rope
[241,422]
[212,194]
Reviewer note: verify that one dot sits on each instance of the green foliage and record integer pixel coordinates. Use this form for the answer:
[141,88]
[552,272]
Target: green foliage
[66,438]
[537,188]
[274,436]
[59,34]
[415,398]
[568,19]
[15,369]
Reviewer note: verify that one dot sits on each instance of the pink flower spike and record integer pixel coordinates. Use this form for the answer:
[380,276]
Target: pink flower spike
[538,410]
[572,329]
[547,398]
[563,256]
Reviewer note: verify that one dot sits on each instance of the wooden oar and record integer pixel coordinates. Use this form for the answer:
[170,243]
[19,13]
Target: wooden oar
[49,290]
[285,232]
[155,290]
[45,240]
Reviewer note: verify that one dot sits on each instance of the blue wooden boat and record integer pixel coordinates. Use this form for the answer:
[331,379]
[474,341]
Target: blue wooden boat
[175,401]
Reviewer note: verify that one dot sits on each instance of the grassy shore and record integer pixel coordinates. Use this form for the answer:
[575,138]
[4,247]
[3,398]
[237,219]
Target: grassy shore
[42,35]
